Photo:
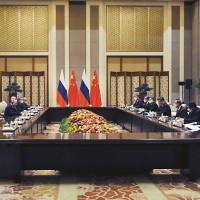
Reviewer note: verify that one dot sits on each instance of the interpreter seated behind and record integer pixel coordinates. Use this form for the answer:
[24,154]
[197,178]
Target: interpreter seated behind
[20,107]
[181,111]
[153,105]
[138,102]
[146,104]
[194,113]
[11,110]
[164,108]
[24,104]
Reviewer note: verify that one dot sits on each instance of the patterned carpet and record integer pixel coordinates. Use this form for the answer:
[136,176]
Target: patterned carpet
[52,185]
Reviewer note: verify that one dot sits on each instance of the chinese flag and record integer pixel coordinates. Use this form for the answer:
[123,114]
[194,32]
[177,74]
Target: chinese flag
[95,95]
[73,92]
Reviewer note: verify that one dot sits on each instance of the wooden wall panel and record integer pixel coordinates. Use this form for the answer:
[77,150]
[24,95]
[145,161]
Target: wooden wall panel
[141,29]
[164,85]
[155,64]
[133,64]
[41,65]
[123,85]
[35,92]
[128,90]
[2,64]
[150,79]
[26,22]
[135,28]
[19,64]
[23,28]
[11,29]
[24,67]
[121,92]
[27,88]
[113,89]
[4,84]
[32,84]
[114,66]
[113,28]
[2,42]
[41,28]
[156,22]
[135,83]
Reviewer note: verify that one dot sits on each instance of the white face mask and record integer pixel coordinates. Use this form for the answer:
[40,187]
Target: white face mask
[145,101]
[189,110]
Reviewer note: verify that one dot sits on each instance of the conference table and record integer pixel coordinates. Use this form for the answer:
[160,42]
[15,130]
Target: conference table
[147,144]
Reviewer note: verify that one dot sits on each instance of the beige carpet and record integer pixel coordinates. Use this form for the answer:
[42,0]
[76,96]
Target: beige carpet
[51,185]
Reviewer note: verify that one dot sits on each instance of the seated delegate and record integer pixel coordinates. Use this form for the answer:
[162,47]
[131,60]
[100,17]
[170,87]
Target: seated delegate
[146,104]
[11,110]
[19,106]
[181,111]
[153,105]
[164,108]
[138,102]
[194,113]
[12,98]
[24,104]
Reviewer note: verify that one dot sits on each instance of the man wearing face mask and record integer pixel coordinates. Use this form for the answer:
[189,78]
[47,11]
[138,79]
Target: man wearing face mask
[153,104]
[138,102]
[146,104]
[194,113]
[181,111]
[164,108]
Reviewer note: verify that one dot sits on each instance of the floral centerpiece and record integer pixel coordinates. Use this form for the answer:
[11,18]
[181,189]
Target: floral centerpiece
[85,121]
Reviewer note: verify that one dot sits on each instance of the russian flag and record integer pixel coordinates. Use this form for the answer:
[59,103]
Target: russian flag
[62,98]
[84,97]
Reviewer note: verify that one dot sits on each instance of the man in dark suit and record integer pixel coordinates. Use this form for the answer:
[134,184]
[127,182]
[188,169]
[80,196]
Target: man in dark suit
[11,110]
[153,105]
[12,98]
[164,108]
[138,102]
[194,113]
[146,104]
[24,104]
[19,106]
[181,111]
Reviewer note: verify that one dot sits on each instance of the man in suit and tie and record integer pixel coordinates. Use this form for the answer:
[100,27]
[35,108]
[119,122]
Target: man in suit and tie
[194,113]
[164,108]
[138,102]
[181,111]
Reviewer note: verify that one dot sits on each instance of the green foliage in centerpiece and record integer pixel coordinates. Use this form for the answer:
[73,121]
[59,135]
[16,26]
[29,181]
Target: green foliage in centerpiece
[85,121]
[66,126]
